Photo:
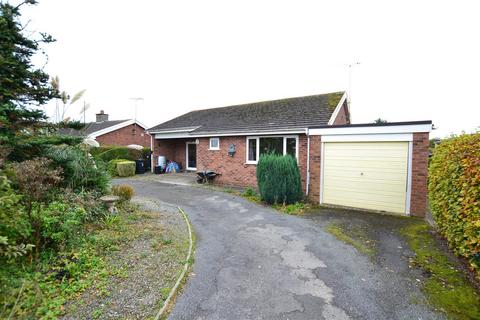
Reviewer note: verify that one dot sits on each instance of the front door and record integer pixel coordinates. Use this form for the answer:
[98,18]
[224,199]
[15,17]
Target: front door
[191,156]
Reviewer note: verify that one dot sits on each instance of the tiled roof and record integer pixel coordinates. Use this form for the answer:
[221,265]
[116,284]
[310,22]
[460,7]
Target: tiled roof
[275,115]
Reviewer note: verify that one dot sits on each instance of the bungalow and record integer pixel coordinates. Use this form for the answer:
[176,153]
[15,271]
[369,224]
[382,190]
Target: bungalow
[113,132]
[372,166]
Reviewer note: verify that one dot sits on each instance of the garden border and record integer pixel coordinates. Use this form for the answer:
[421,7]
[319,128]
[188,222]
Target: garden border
[185,267]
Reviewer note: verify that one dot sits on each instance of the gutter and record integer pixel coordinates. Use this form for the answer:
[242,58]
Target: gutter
[307,187]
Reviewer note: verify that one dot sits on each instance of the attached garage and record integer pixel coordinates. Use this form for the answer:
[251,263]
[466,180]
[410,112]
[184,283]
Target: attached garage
[369,175]
[371,167]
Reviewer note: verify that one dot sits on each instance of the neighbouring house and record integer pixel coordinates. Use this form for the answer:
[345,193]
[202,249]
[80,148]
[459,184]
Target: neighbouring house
[372,166]
[113,132]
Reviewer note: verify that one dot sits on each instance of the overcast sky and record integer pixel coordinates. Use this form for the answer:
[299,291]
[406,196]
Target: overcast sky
[419,60]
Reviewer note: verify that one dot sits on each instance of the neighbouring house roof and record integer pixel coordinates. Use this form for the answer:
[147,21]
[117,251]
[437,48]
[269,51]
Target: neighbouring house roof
[95,129]
[276,115]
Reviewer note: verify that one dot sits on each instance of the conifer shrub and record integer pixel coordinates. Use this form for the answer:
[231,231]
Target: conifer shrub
[278,179]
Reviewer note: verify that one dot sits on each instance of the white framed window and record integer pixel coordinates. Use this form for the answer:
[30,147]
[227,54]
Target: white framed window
[214,144]
[283,145]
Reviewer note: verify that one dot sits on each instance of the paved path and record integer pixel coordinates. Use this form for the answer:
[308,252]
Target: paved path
[253,263]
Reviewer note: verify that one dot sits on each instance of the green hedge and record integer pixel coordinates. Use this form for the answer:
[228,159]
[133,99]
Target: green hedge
[126,168]
[107,153]
[278,179]
[454,192]
[112,166]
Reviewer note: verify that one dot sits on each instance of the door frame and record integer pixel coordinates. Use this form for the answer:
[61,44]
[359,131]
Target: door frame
[186,155]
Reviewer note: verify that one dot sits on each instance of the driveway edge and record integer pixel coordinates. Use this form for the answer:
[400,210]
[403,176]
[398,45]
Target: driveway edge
[161,312]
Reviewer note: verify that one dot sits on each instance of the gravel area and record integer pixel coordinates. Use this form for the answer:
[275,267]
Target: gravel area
[148,267]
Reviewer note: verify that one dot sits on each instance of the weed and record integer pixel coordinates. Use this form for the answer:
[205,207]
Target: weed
[296,208]
[359,240]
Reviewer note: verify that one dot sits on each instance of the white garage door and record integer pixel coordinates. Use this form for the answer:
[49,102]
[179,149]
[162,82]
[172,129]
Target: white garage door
[370,175]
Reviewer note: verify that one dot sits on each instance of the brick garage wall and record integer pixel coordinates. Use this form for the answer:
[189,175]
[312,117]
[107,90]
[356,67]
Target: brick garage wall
[234,170]
[315,159]
[418,199]
[343,117]
[124,136]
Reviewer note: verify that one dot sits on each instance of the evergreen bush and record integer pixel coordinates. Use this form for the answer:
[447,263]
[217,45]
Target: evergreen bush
[126,168]
[454,193]
[278,179]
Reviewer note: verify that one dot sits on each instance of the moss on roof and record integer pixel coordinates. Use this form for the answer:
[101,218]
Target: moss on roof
[334,99]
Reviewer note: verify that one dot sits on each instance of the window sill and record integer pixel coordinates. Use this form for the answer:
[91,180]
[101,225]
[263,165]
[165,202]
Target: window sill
[218,149]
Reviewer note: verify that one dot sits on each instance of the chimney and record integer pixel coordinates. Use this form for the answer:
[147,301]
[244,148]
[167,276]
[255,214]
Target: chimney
[102,116]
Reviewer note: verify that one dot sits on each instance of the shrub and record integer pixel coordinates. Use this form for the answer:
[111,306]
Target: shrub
[454,192]
[60,222]
[126,168]
[108,153]
[35,179]
[124,191]
[112,166]
[278,179]
[80,170]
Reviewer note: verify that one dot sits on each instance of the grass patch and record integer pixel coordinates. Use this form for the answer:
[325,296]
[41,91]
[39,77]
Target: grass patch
[297,208]
[356,237]
[446,287]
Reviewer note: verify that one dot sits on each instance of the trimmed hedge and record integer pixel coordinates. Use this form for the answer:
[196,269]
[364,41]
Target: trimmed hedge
[278,179]
[454,192]
[126,168]
[112,166]
[107,153]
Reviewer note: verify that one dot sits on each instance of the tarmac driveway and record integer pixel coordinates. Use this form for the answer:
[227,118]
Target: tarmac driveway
[252,262]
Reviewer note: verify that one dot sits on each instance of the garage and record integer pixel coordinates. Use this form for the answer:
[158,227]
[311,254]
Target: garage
[369,175]
[373,167]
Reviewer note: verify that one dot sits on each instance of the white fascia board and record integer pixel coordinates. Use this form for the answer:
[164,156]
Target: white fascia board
[368,137]
[95,134]
[232,134]
[374,129]
[186,129]
[337,109]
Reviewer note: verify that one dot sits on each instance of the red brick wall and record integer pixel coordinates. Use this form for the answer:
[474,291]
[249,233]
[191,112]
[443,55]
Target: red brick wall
[418,199]
[315,150]
[172,149]
[234,170]
[343,116]
[124,136]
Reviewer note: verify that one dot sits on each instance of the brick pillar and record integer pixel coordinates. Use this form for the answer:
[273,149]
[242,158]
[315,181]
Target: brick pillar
[418,198]
[314,187]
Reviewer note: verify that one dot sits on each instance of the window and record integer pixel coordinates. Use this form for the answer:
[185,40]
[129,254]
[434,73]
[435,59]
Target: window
[214,143]
[256,146]
[252,150]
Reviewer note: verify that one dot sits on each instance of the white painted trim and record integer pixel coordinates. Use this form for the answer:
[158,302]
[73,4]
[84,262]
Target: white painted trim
[257,149]
[373,129]
[409,179]
[186,154]
[232,134]
[185,129]
[307,187]
[322,159]
[120,125]
[274,136]
[151,155]
[210,144]
[368,137]
[337,109]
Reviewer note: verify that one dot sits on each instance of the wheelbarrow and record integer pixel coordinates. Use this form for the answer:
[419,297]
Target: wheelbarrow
[206,176]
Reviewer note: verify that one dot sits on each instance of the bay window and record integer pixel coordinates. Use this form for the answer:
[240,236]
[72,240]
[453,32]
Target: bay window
[281,145]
